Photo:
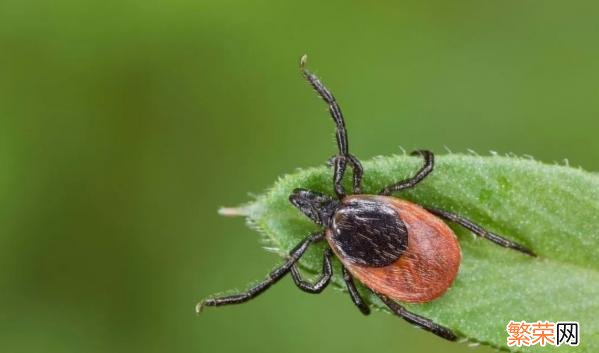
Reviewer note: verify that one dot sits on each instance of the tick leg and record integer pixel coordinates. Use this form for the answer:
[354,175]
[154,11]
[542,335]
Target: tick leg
[480,231]
[358,172]
[273,277]
[353,292]
[344,157]
[322,282]
[429,163]
[339,165]
[418,320]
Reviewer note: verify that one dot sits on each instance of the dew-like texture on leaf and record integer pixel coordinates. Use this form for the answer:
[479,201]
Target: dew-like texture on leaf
[552,209]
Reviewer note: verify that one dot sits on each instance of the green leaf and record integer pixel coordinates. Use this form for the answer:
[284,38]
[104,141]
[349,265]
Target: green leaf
[552,209]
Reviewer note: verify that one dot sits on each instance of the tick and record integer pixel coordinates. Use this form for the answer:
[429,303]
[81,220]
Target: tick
[399,250]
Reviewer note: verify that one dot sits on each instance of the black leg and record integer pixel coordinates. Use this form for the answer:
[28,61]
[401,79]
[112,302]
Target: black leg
[358,172]
[480,231]
[429,163]
[322,282]
[344,157]
[353,292]
[273,277]
[339,170]
[418,320]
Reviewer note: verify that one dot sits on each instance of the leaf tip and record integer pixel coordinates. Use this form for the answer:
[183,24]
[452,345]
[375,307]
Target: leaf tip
[233,211]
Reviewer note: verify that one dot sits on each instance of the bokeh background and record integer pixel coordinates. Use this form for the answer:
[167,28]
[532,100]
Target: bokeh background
[124,125]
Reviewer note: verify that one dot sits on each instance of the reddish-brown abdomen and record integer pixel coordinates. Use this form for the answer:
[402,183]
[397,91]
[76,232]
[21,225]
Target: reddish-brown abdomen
[427,267]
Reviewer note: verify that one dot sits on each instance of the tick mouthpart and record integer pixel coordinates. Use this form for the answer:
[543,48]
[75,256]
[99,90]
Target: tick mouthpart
[318,207]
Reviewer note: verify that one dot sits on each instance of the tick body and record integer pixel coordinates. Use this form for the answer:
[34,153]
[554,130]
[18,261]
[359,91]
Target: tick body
[399,250]
[395,247]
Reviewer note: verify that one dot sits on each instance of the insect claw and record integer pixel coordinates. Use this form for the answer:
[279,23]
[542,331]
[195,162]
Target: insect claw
[199,307]
[303,61]
[525,250]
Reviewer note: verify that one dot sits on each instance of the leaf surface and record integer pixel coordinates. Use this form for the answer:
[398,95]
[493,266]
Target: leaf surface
[552,209]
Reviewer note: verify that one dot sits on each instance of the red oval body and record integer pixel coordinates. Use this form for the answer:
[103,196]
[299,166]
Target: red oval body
[428,265]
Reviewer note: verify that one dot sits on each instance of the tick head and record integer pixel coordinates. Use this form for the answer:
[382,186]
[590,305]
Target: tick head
[318,207]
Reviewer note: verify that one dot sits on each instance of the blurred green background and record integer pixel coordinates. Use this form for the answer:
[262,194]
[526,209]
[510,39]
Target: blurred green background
[124,125]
